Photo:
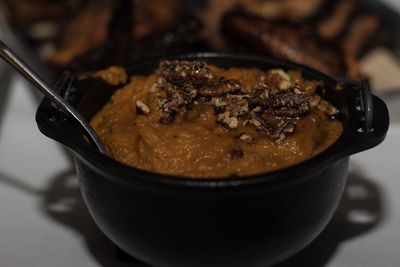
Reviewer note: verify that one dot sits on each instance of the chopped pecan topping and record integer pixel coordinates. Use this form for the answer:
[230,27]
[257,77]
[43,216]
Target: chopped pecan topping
[238,108]
[291,112]
[280,79]
[285,129]
[168,109]
[263,126]
[323,105]
[275,132]
[298,89]
[288,104]
[262,92]
[157,85]
[228,120]
[246,138]
[218,104]
[275,96]
[176,100]
[288,99]
[315,100]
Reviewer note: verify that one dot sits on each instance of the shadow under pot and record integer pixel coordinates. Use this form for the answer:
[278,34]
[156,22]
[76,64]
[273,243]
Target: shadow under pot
[245,221]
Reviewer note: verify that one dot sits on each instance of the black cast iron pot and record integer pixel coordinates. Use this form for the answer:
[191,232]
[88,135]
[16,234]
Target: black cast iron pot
[248,221]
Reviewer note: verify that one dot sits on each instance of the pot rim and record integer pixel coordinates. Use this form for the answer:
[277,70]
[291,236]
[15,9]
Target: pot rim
[350,142]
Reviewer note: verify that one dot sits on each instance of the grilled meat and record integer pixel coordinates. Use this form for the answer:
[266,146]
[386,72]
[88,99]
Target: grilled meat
[284,41]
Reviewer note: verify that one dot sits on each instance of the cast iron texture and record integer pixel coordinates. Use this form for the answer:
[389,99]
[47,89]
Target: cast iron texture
[240,221]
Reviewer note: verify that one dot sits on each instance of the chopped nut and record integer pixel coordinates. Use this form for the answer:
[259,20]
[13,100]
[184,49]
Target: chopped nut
[157,85]
[287,104]
[285,82]
[257,109]
[182,72]
[314,101]
[290,112]
[238,108]
[281,137]
[297,90]
[273,97]
[218,102]
[225,118]
[221,88]
[142,108]
[288,99]
[284,85]
[193,93]
[327,108]
[154,88]
[230,96]
[278,132]
[255,122]
[261,91]
[283,130]
[246,138]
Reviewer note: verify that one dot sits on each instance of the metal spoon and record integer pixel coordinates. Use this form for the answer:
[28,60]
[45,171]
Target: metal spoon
[12,59]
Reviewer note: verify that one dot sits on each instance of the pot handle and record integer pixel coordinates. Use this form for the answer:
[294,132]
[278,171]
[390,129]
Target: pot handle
[373,120]
[57,125]
[366,104]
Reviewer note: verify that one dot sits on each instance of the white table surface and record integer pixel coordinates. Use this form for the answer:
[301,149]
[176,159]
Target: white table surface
[395,4]
[43,221]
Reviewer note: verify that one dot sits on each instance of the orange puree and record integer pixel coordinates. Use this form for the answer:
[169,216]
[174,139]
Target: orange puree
[196,143]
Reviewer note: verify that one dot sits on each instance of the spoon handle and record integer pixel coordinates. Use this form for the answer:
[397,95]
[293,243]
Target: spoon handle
[11,58]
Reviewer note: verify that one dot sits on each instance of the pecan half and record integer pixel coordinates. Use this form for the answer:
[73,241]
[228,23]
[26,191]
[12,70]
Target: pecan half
[290,112]
[278,132]
[288,99]
[290,104]
[183,73]
[221,88]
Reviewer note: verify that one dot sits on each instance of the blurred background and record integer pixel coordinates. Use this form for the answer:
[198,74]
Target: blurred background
[43,221]
[343,38]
